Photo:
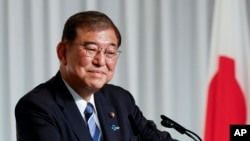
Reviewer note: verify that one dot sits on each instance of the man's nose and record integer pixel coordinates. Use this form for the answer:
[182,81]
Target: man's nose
[100,58]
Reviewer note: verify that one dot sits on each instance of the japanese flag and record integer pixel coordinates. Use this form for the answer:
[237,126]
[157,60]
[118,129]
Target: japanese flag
[229,70]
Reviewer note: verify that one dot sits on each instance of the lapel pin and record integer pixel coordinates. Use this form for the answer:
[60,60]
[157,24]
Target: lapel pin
[112,115]
[114,128]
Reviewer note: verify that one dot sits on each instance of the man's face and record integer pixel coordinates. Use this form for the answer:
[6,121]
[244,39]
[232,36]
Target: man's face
[83,71]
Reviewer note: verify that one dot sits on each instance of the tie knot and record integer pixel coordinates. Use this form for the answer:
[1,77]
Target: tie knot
[89,110]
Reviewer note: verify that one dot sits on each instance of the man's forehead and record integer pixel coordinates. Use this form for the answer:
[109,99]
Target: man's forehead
[95,31]
[105,36]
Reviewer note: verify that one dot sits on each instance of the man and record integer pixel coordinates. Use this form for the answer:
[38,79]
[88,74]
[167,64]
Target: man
[77,104]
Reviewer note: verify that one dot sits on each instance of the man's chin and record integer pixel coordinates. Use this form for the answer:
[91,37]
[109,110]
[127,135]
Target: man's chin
[97,84]
[96,87]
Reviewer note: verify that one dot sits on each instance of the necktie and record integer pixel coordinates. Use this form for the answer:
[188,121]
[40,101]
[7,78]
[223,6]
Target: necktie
[93,128]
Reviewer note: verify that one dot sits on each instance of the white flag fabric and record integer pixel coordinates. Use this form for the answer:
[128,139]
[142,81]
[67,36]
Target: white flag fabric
[229,70]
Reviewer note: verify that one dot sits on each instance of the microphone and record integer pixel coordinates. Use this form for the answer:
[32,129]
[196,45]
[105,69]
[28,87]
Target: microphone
[134,127]
[151,124]
[169,123]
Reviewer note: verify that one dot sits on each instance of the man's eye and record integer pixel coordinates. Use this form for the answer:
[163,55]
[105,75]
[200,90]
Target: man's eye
[91,49]
[111,52]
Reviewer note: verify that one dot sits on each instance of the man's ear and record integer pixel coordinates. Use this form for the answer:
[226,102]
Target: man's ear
[61,52]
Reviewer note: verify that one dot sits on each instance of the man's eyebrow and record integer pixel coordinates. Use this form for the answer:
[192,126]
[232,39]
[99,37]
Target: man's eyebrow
[94,43]
[113,44]
[89,43]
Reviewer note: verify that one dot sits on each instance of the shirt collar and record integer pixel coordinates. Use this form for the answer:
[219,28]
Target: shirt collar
[80,102]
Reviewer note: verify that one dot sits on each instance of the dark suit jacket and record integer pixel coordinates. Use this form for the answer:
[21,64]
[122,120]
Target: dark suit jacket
[49,113]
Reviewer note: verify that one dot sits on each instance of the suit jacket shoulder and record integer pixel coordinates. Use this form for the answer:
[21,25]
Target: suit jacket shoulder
[48,112]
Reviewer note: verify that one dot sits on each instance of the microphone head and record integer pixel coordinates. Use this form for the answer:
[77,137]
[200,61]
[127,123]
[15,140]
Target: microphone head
[167,123]
[163,117]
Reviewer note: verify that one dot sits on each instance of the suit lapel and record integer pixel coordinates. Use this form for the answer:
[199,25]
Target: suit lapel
[109,124]
[70,110]
[76,121]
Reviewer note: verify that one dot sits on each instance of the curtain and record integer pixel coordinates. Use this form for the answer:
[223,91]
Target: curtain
[164,60]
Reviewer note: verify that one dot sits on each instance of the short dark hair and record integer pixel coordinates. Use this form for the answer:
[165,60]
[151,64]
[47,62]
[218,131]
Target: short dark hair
[93,20]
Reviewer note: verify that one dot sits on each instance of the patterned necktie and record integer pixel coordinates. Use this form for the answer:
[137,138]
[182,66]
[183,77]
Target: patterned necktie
[93,128]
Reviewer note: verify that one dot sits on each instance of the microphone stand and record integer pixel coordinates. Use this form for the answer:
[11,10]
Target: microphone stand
[192,133]
[167,122]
